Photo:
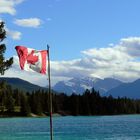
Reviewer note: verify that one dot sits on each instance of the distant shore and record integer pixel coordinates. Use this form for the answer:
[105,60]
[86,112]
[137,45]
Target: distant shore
[54,115]
[7,115]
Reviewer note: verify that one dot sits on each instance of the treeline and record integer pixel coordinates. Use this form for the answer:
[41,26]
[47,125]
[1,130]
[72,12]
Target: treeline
[16,103]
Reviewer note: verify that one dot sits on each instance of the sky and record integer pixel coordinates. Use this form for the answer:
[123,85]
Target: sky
[93,38]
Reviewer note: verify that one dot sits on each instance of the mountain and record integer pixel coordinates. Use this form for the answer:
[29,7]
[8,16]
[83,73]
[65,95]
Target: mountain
[106,84]
[21,84]
[79,85]
[74,85]
[131,90]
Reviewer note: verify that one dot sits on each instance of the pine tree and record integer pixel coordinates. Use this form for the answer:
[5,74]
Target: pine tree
[9,100]
[4,64]
[25,108]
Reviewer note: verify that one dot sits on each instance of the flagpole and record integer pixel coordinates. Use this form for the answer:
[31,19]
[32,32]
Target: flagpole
[50,96]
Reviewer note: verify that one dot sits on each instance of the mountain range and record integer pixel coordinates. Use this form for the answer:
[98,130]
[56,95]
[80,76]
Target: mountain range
[79,85]
[106,87]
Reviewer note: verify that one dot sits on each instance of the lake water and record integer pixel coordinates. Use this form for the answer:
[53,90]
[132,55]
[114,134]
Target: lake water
[121,127]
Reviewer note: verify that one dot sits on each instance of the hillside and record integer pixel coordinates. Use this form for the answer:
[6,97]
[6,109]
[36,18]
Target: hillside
[21,84]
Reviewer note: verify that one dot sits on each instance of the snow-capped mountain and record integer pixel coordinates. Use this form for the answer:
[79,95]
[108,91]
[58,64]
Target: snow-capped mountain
[79,85]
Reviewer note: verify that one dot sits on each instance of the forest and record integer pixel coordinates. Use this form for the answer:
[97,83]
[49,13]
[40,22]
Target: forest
[14,102]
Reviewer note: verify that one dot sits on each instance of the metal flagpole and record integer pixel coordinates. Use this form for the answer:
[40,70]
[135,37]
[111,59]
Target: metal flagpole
[50,96]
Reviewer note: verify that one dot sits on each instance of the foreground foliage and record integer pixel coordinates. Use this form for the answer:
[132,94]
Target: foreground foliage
[4,64]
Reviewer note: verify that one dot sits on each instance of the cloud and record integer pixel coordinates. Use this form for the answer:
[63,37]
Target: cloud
[8,6]
[128,48]
[15,35]
[68,69]
[120,61]
[31,22]
[131,46]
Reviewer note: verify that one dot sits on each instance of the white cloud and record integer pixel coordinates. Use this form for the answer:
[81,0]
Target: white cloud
[31,22]
[131,46]
[8,6]
[120,61]
[15,35]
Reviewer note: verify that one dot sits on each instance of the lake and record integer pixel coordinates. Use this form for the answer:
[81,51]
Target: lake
[121,127]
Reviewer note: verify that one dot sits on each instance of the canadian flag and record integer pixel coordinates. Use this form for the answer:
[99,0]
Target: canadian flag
[32,60]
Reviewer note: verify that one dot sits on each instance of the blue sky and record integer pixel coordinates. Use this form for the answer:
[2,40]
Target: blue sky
[85,36]
[71,26]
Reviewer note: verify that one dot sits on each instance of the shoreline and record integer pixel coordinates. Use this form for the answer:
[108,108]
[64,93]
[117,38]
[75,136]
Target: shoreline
[32,115]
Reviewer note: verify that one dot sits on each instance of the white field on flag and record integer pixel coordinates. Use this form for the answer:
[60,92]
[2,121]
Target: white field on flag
[31,59]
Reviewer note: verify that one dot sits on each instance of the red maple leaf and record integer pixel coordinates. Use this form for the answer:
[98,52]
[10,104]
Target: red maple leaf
[31,58]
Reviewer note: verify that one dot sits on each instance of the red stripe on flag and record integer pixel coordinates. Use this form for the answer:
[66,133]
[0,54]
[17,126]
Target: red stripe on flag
[22,54]
[44,53]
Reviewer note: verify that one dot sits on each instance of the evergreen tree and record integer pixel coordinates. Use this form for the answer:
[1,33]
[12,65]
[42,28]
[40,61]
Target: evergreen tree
[17,96]
[36,103]
[25,108]
[10,104]
[9,100]
[4,64]
[75,104]
[85,103]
